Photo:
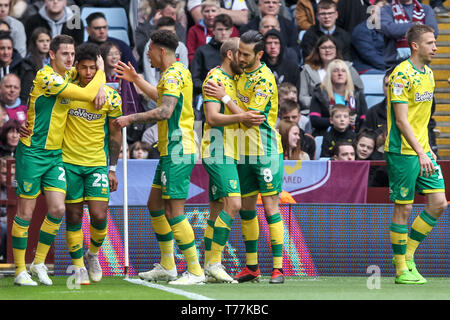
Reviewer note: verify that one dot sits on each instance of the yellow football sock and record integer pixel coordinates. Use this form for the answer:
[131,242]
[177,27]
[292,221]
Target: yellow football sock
[399,237]
[98,234]
[184,236]
[250,234]
[19,235]
[49,230]
[276,230]
[164,235]
[420,229]
[74,239]
[207,239]
[222,228]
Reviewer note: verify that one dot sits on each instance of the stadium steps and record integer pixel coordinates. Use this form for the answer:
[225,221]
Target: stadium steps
[441,69]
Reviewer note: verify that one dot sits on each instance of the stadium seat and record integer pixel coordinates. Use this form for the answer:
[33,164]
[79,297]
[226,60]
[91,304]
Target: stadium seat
[373,88]
[117,21]
[319,140]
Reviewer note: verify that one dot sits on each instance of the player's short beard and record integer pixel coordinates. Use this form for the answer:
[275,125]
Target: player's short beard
[235,68]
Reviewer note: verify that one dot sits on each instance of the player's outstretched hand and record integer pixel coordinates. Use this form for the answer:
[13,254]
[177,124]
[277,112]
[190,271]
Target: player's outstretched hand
[252,118]
[113,182]
[214,89]
[24,131]
[426,165]
[123,121]
[126,72]
[100,98]
[100,63]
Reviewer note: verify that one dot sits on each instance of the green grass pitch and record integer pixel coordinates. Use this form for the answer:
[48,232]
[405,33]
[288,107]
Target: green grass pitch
[295,288]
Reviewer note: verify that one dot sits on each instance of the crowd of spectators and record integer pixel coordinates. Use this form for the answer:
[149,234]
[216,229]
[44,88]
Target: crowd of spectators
[317,50]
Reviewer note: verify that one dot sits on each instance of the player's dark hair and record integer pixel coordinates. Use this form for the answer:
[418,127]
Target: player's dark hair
[165,22]
[94,16]
[254,37]
[414,34]
[87,51]
[59,40]
[223,19]
[165,39]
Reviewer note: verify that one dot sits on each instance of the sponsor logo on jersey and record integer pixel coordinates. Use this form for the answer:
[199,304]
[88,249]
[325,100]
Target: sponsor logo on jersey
[426,96]
[82,113]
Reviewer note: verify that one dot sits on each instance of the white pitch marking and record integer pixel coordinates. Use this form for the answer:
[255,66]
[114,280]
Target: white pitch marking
[186,294]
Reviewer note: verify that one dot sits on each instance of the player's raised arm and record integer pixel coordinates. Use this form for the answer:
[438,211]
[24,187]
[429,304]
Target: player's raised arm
[163,112]
[88,93]
[127,72]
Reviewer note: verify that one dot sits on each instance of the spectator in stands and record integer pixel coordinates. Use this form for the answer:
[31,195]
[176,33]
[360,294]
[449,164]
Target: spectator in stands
[281,62]
[97,28]
[236,9]
[368,43]
[208,56]
[140,150]
[162,8]
[326,16]
[287,92]
[12,62]
[351,13]
[3,115]
[396,18]
[290,111]
[9,97]
[38,48]
[202,32]
[57,17]
[291,141]
[340,129]
[343,151]
[15,26]
[111,55]
[9,138]
[268,22]
[151,74]
[315,69]
[336,88]
[365,144]
[287,26]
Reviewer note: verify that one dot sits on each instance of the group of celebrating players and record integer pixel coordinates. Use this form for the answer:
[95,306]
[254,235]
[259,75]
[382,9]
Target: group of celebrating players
[71,143]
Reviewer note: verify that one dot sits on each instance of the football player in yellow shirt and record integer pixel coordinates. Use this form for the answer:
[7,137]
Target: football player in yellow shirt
[39,164]
[176,145]
[91,143]
[220,155]
[410,161]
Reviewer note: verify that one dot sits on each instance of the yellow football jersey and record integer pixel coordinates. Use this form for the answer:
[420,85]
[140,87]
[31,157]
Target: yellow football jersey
[221,141]
[86,136]
[176,135]
[257,90]
[48,104]
[415,88]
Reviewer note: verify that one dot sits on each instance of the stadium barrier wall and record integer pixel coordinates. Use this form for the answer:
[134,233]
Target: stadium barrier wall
[372,195]
[319,240]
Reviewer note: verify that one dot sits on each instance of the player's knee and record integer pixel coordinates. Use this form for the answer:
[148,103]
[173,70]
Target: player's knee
[57,210]
[232,206]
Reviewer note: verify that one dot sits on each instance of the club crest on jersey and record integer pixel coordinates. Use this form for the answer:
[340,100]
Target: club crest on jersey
[404,191]
[247,85]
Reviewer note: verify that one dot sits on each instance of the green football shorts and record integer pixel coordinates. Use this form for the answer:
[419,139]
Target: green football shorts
[38,170]
[404,178]
[86,183]
[173,176]
[223,178]
[260,175]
